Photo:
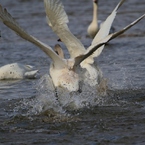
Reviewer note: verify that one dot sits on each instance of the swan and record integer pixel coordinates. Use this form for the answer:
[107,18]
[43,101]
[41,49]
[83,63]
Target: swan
[96,24]
[63,72]
[57,19]
[17,71]
[93,28]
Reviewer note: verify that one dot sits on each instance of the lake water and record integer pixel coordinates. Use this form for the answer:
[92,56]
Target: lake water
[27,117]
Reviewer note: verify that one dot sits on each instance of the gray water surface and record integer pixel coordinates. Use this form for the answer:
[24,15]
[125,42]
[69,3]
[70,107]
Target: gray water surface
[118,118]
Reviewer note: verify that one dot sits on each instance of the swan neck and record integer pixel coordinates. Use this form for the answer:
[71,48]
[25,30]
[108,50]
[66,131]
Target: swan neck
[95,12]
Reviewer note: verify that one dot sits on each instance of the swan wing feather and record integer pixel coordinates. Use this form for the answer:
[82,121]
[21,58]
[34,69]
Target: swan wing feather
[95,47]
[57,19]
[10,22]
[105,29]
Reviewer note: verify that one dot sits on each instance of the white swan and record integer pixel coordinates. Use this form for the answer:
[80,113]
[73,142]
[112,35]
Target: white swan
[96,24]
[93,28]
[17,71]
[63,71]
[57,19]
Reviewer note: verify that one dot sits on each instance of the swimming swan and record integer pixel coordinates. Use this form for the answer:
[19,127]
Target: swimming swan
[93,28]
[96,24]
[62,71]
[17,71]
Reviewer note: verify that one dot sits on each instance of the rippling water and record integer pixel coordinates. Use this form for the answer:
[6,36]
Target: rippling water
[26,115]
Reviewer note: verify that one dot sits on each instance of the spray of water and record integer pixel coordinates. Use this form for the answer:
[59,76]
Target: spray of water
[61,101]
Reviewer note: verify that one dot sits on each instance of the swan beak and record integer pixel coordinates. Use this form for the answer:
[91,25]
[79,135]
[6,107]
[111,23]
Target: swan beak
[59,40]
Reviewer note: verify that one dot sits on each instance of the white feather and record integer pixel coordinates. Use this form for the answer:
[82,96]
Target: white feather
[57,20]
[17,71]
[105,29]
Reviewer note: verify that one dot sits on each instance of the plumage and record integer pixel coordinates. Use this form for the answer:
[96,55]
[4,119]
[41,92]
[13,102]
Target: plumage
[57,19]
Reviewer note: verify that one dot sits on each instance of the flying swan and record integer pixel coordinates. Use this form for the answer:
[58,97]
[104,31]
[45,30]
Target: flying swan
[64,72]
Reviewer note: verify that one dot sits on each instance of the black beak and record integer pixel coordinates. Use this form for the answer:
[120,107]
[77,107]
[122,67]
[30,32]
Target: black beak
[59,40]
[96,1]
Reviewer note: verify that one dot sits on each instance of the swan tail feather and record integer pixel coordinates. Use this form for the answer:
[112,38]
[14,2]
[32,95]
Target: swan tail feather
[31,74]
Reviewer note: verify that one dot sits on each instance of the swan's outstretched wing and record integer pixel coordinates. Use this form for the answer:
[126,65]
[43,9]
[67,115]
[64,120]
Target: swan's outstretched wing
[105,28]
[8,20]
[57,19]
[95,47]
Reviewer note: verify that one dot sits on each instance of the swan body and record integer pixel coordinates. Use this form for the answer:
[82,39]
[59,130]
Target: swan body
[65,78]
[64,72]
[17,71]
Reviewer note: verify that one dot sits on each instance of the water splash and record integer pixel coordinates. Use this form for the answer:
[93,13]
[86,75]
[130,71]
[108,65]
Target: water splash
[63,101]
[120,80]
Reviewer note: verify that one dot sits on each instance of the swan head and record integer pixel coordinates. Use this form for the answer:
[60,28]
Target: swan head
[95,1]
[59,40]
[59,51]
